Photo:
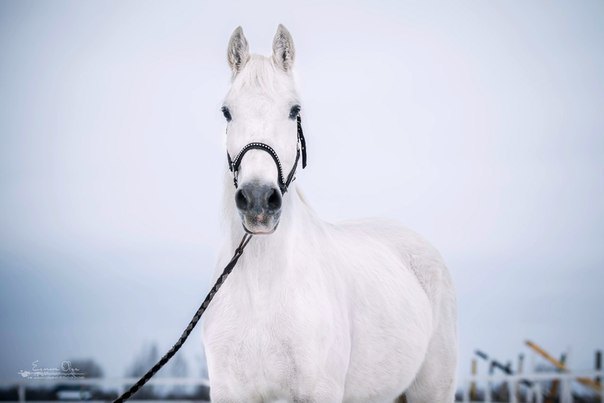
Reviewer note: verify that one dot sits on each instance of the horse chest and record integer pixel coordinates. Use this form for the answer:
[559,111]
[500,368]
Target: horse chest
[270,335]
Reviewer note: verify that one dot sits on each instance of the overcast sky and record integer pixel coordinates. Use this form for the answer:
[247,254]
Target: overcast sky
[478,124]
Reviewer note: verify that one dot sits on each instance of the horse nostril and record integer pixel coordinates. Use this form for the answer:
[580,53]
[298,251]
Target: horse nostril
[241,201]
[274,200]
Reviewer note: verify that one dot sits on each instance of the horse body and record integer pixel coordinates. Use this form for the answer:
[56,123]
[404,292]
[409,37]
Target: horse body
[318,312]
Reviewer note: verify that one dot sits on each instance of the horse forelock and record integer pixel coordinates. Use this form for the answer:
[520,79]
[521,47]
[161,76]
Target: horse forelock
[260,76]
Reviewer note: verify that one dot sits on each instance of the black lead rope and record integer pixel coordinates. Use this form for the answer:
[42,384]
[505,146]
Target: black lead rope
[227,270]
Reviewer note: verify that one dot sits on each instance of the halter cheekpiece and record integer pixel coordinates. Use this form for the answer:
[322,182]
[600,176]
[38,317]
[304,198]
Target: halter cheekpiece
[284,182]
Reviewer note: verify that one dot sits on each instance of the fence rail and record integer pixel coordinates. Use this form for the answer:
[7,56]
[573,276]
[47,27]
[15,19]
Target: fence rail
[118,385]
[533,393]
[533,386]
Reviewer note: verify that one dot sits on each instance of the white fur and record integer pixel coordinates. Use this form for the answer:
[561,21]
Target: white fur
[315,312]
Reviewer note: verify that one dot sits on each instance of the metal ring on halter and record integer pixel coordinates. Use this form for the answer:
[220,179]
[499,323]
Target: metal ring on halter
[283,181]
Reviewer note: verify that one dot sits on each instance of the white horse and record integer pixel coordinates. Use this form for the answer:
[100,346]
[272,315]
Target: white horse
[360,311]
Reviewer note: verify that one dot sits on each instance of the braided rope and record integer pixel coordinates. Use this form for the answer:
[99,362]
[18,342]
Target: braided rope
[206,302]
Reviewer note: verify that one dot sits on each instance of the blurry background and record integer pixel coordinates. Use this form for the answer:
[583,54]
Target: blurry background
[478,124]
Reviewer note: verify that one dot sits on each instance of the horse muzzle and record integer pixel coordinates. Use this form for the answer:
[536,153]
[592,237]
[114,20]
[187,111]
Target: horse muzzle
[259,207]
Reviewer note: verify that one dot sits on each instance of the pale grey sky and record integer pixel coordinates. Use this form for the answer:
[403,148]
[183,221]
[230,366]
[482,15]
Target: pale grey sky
[478,124]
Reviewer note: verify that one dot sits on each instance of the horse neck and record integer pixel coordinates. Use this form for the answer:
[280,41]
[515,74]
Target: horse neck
[297,224]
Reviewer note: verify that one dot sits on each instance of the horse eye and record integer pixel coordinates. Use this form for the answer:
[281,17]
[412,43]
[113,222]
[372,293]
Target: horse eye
[226,113]
[294,111]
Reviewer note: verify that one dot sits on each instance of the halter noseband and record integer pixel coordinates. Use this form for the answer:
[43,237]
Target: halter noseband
[283,181]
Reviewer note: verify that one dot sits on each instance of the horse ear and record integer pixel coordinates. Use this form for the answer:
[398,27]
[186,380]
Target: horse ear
[283,49]
[238,52]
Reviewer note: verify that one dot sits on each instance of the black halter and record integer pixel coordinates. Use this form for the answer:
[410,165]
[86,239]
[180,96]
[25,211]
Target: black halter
[283,181]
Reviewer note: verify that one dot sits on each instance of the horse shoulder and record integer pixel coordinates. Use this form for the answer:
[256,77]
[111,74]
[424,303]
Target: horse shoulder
[415,252]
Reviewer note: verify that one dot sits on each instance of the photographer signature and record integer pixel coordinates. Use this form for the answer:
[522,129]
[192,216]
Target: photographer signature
[66,371]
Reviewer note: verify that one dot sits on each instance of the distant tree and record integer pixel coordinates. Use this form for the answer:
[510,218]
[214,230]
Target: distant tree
[142,363]
[202,392]
[87,367]
[178,368]
[204,364]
